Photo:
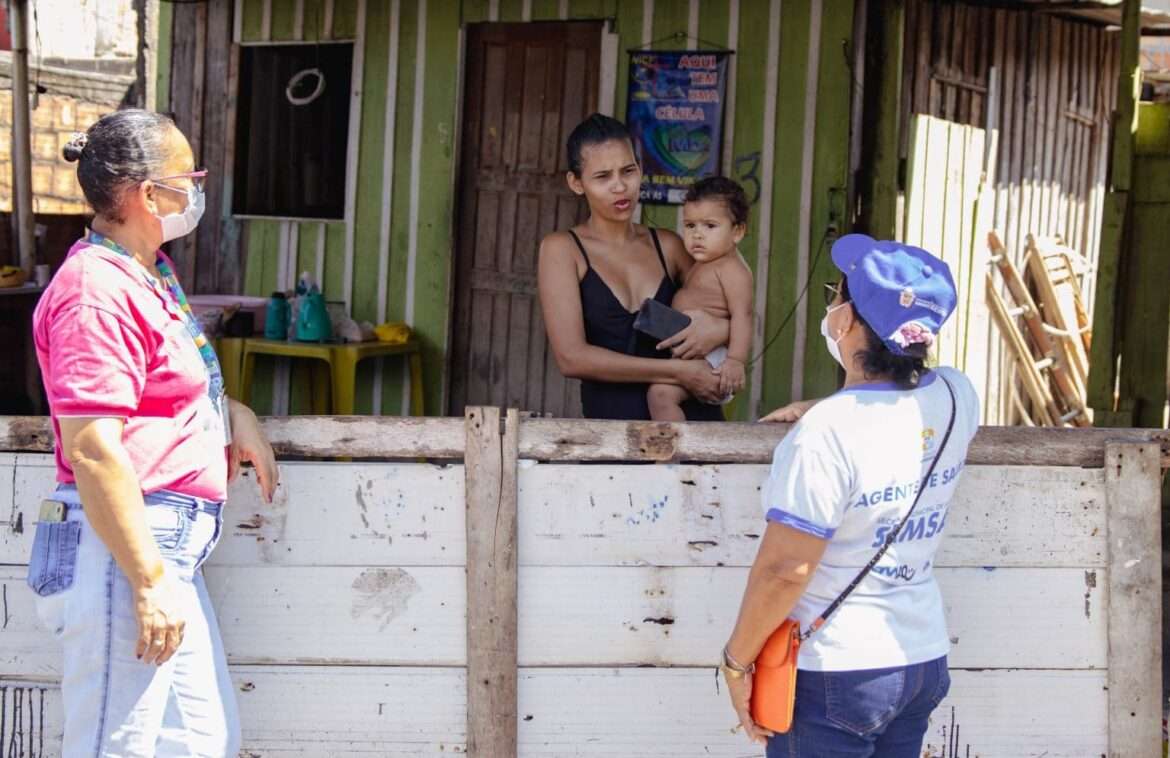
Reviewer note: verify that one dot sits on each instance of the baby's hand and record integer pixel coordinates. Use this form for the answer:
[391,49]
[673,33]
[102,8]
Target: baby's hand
[732,376]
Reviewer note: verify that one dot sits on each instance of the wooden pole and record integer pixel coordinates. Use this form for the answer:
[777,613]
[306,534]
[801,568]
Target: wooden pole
[21,139]
[1132,497]
[146,65]
[492,613]
[883,109]
[1108,308]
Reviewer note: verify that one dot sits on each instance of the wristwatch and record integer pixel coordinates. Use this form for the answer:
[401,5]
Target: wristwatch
[733,669]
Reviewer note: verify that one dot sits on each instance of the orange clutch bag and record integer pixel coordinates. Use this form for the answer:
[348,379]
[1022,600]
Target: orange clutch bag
[774,683]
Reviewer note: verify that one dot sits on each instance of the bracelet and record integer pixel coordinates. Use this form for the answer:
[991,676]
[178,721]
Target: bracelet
[729,662]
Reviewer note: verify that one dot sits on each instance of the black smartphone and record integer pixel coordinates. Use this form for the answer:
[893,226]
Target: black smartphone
[660,321]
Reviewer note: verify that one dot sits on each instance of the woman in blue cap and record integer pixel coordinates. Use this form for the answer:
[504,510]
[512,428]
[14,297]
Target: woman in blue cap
[856,505]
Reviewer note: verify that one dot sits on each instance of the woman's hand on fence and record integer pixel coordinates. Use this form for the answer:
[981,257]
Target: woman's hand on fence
[249,445]
[790,413]
[740,690]
[701,381]
[704,334]
[161,622]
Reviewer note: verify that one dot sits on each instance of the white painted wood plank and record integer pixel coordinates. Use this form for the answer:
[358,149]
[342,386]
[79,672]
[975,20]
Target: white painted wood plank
[329,711]
[764,230]
[26,648]
[368,514]
[352,711]
[286,280]
[639,713]
[950,246]
[327,24]
[346,514]
[416,127]
[632,713]
[706,515]
[1040,714]
[984,345]
[12,516]
[384,616]
[24,480]
[353,147]
[319,260]
[611,59]
[933,222]
[1065,608]
[728,158]
[330,514]
[916,180]
[574,616]
[807,239]
[682,616]
[391,119]
[237,23]
[299,20]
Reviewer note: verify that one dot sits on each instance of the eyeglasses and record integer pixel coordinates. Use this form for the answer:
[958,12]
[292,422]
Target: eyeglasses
[197,177]
[832,292]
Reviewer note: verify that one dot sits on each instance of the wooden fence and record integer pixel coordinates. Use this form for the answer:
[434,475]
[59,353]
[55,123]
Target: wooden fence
[503,600]
[1048,102]
[948,211]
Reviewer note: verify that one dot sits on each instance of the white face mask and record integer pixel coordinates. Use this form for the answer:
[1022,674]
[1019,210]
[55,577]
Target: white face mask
[175,225]
[833,345]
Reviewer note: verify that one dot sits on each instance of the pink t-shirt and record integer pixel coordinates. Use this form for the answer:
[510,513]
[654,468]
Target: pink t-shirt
[112,344]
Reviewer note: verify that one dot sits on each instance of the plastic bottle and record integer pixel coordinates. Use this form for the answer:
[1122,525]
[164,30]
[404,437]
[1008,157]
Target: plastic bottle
[276,319]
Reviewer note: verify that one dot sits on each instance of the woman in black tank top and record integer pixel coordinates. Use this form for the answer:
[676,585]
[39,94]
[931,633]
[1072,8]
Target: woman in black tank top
[589,314]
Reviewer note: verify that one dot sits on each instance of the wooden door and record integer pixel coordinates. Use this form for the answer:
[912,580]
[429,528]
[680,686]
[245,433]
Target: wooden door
[527,86]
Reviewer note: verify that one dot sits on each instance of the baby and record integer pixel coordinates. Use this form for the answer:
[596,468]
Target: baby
[715,216]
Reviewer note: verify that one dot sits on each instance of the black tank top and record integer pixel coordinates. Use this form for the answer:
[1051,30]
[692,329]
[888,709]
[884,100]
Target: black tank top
[609,325]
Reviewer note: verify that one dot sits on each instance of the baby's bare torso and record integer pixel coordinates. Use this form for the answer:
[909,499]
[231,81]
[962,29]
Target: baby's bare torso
[702,290]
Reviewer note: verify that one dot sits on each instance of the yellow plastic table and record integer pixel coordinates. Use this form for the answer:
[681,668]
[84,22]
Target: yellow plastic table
[230,351]
[338,364]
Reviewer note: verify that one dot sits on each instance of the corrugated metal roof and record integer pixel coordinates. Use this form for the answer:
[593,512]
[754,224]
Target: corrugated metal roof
[1155,20]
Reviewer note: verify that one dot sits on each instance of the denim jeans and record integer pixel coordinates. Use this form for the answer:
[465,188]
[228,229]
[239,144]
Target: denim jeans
[877,713]
[116,705]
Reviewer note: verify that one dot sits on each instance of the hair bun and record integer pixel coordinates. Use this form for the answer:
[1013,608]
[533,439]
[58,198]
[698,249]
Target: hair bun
[75,147]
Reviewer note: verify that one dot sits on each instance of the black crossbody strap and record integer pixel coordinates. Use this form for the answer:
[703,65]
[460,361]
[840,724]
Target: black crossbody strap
[893,535]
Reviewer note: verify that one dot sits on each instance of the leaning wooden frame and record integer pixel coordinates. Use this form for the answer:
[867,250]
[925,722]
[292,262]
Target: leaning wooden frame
[502,599]
[1064,401]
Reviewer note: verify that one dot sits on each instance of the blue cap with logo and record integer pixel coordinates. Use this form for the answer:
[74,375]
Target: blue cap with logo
[903,292]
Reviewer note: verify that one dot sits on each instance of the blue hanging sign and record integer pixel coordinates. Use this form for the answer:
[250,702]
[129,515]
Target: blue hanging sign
[675,112]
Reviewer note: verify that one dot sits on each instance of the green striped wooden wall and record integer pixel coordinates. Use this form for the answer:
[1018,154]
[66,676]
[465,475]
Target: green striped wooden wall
[788,121]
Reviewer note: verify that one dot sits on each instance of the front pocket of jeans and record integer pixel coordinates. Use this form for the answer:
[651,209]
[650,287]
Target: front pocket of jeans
[168,526]
[54,556]
[863,702]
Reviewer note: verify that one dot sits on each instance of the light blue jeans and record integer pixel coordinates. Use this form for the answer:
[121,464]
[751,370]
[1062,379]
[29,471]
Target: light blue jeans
[116,705]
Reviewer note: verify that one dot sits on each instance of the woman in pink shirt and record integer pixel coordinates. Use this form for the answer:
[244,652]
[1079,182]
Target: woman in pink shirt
[146,442]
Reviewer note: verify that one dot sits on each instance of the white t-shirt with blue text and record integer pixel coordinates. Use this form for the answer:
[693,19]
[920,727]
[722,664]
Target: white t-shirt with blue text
[847,473]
